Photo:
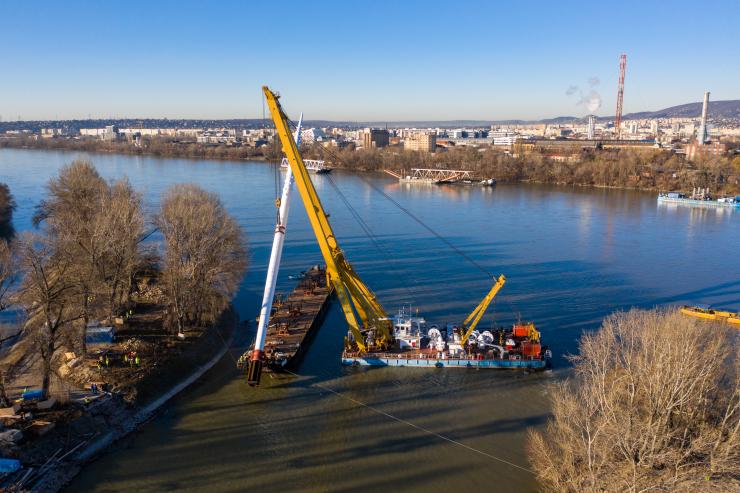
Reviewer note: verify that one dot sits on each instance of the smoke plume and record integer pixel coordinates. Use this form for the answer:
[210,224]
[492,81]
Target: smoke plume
[588,98]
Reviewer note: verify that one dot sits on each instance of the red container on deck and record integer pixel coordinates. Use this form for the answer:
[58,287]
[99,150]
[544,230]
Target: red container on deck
[521,330]
[531,349]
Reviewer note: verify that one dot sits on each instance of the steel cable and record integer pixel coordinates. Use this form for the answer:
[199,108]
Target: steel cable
[417,219]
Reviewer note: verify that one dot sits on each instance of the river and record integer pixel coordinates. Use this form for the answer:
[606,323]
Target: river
[570,255]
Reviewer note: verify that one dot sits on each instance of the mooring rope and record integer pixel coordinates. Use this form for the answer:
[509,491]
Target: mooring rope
[396,418]
[415,426]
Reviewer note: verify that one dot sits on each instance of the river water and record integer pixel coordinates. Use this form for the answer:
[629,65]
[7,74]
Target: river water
[571,256]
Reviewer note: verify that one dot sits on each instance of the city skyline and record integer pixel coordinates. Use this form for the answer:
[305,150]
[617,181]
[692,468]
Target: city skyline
[411,61]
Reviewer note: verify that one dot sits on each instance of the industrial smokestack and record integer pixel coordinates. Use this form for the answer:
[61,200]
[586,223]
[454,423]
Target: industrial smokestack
[702,136]
[591,125]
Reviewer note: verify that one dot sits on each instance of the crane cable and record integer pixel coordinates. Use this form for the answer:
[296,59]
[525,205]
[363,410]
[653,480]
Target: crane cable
[373,238]
[413,216]
[406,211]
[273,163]
[409,213]
[411,293]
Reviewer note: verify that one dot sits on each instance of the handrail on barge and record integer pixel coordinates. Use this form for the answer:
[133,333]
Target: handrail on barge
[434,355]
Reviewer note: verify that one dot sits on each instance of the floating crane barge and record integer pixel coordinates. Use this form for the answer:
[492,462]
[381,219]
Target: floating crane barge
[374,338]
[454,346]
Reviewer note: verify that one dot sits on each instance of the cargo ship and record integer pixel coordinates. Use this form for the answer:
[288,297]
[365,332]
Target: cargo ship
[416,345]
[699,197]
[708,313]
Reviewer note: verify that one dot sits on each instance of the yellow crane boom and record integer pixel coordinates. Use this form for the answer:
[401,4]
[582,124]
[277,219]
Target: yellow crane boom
[357,300]
[471,322]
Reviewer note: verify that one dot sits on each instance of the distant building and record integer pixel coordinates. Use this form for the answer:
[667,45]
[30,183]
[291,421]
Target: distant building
[696,150]
[503,138]
[421,141]
[217,136]
[91,132]
[48,133]
[654,127]
[312,135]
[375,137]
[110,133]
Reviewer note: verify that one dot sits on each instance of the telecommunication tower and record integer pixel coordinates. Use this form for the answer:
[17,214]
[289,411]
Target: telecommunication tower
[620,94]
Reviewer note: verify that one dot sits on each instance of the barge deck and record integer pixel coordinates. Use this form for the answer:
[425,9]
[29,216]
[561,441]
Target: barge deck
[294,321]
[433,360]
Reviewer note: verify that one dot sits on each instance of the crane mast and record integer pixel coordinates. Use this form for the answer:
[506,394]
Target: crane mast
[368,322]
[255,362]
[471,322]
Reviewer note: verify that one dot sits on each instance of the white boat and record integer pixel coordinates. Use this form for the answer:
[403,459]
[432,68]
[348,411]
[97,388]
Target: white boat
[699,197]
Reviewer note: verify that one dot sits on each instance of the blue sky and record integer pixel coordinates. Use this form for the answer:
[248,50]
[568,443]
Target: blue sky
[368,60]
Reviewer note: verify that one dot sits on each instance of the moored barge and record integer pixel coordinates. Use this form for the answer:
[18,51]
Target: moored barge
[706,312]
[294,321]
[698,197]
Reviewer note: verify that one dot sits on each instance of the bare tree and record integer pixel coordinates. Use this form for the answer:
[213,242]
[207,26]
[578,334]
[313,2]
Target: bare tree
[48,295]
[71,216]
[8,273]
[8,279]
[7,206]
[120,225]
[98,227]
[205,256]
[654,405]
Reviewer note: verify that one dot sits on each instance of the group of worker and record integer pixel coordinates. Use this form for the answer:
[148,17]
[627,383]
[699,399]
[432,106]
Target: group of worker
[95,388]
[130,358]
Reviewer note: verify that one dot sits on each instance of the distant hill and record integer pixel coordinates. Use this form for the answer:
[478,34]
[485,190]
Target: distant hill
[717,110]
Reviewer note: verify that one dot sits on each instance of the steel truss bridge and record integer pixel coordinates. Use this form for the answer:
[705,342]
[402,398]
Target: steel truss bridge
[311,164]
[426,175]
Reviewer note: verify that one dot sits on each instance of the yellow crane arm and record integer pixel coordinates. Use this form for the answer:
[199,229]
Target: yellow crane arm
[472,321]
[357,300]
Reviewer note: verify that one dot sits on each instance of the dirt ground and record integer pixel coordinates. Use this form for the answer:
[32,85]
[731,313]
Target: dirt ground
[51,437]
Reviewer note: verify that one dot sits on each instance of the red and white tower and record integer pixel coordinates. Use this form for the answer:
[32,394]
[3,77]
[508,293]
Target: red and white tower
[620,94]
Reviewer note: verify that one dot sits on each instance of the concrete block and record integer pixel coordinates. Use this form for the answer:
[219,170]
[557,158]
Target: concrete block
[11,436]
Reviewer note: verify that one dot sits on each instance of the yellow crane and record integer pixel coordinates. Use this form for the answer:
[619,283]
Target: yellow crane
[373,330]
[471,322]
[368,322]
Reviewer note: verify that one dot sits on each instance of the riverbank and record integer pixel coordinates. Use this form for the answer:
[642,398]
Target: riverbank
[163,149]
[111,417]
[648,169]
[640,169]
